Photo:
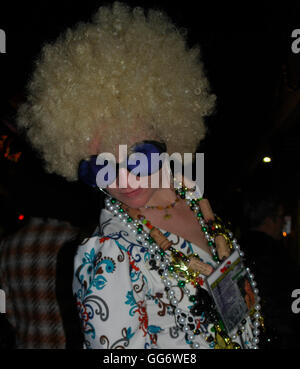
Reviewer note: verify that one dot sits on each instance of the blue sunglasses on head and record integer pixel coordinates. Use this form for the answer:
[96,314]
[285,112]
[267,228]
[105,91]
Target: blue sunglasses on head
[135,164]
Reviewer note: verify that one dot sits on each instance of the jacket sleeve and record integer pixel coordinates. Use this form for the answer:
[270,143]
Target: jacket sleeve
[110,294]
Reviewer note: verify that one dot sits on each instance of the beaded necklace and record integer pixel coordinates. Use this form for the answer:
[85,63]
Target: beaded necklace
[188,269]
[165,208]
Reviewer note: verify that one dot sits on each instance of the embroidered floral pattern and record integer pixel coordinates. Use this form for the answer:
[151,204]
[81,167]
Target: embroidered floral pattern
[120,299]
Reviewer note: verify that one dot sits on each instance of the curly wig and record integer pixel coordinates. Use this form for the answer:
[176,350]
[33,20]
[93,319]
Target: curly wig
[123,77]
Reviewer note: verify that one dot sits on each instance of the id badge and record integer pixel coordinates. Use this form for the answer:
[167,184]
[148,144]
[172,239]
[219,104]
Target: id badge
[232,292]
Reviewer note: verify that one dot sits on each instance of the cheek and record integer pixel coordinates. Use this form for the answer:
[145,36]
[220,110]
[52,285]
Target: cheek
[113,192]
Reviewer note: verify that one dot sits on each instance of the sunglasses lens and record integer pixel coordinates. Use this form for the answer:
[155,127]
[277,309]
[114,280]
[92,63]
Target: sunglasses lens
[92,174]
[150,147]
[142,162]
[87,171]
[137,164]
[106,175]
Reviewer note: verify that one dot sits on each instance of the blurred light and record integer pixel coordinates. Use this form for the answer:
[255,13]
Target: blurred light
[21,217]
[267,159]
[284,234]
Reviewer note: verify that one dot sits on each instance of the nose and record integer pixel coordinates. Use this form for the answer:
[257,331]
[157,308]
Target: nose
[122,178]
[126,179]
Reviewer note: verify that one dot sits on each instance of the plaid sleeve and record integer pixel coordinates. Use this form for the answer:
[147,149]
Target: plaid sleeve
[28,275]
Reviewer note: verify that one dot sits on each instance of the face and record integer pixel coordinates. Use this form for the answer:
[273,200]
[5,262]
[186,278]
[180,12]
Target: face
[132,186]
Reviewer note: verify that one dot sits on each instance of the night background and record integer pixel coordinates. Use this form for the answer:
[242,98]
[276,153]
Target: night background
[247,54]
[248,58]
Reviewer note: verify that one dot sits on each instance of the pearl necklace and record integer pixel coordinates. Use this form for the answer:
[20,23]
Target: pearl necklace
[184,319]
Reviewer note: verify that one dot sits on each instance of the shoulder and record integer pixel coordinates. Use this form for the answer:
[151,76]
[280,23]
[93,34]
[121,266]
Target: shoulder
[104,250]
[97,261]
[91,252]
[103,239]
[108,262]
[110,250]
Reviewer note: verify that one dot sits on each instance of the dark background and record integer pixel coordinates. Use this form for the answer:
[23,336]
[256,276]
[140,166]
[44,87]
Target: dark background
[246,51]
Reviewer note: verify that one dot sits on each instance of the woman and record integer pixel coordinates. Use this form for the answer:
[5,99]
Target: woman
[130,79]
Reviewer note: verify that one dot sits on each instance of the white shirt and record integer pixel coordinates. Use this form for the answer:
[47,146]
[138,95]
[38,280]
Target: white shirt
[122,302]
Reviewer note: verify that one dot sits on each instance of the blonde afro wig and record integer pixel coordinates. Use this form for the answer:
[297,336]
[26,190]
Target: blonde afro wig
[124,77]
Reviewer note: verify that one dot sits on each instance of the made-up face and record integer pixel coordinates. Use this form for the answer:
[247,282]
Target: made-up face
[132,177]
[132,185]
